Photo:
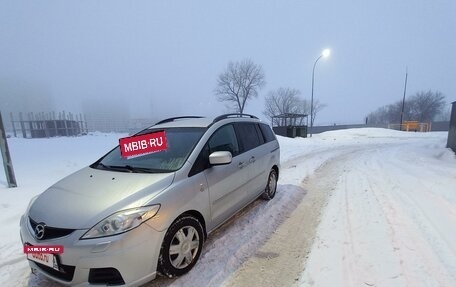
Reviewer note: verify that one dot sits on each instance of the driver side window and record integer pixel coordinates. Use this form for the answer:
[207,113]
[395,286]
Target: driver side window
[224,139]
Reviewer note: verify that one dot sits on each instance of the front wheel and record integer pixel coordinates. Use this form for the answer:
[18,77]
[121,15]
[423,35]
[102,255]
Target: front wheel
[181,247]
[271,186]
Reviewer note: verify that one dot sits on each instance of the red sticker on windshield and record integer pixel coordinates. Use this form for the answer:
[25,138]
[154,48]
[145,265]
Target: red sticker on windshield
[143,144]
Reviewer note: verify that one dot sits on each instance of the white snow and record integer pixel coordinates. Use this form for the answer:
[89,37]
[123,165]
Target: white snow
[390,219]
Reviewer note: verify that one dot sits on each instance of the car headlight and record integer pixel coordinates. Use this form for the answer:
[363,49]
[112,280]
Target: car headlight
[121,221]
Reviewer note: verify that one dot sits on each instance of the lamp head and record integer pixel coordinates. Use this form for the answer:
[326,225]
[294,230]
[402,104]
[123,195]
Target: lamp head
[326,53]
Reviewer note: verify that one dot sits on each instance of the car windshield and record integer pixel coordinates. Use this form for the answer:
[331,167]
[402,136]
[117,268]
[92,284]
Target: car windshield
[180,143]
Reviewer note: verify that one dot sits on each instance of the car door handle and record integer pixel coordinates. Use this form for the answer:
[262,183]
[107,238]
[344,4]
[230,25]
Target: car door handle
[252,159]
[241,164]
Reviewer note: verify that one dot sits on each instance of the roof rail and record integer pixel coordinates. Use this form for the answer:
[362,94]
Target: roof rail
[225,116]
[176,118]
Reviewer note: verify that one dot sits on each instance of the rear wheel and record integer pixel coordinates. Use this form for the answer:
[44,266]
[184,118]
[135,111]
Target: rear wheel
[181,247]
[271,186]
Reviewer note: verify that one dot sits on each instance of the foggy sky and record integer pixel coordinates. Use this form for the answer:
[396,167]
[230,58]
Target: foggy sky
[162,58]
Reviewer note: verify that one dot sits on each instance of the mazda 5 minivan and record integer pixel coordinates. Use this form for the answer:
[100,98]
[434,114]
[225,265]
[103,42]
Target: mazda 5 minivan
[123,220]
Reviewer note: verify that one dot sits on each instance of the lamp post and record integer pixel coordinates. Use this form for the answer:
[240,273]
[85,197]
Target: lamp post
[324,54]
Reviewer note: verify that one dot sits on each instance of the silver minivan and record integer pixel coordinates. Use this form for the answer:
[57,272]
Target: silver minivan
[121,221]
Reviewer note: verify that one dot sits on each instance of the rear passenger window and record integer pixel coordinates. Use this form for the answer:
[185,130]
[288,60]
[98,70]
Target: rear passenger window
[260,135]
[268,135]
[248,136]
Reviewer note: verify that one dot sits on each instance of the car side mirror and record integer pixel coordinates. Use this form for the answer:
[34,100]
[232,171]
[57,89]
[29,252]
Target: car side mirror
[220,157]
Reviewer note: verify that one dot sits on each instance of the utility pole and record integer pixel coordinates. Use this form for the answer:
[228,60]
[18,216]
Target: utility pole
[7,164]
[403,99]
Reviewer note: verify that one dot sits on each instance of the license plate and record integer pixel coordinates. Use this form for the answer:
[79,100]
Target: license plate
[45,259]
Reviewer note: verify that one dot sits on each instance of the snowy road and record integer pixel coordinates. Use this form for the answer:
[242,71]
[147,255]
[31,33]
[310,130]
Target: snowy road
[376,208]
[391,220]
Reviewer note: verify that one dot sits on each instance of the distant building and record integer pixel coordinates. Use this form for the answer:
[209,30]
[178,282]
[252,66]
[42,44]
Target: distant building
[452,132]
[45,125]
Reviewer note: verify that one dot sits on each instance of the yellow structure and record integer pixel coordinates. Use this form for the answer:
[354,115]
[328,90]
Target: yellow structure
[411,126]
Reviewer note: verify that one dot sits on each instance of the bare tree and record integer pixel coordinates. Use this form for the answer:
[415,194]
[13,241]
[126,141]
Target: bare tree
[422,107]
[317,107]
[389,114]
[425,106]
[287,101]
[239,83]
[284,101]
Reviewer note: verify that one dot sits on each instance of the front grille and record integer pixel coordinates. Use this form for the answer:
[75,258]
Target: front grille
[108,276]
[51,232]
[64,273]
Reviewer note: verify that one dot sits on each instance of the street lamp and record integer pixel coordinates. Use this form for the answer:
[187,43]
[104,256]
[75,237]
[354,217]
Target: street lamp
[324,54]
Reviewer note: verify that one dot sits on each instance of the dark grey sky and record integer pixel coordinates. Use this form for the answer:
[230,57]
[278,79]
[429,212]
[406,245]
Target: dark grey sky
[163,57]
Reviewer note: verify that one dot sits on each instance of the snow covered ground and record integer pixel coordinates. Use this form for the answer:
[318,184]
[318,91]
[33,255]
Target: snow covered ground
[389,217]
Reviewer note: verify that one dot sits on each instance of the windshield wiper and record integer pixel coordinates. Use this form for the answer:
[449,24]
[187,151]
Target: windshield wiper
[102,165]
[114,167]
[130,168]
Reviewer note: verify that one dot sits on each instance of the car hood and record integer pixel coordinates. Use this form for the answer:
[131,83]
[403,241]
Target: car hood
[84,198]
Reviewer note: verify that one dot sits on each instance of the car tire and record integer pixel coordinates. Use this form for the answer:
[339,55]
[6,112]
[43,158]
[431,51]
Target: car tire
[271,186]
[181,247]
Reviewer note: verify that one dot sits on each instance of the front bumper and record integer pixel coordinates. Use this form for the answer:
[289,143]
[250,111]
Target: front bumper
[133,254]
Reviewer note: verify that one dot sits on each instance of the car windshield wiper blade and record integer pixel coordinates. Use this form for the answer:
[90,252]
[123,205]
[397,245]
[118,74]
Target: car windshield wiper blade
[115,167]
[133,168]
[102,165]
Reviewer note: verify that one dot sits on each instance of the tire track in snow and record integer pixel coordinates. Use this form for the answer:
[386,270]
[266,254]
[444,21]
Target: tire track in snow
[350,274]
[436,254]
[401,211]
[397,250]
[390,214]
[294,238]
[238,239]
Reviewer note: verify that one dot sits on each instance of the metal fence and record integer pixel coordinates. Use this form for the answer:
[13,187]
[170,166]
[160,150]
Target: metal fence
[44,125]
